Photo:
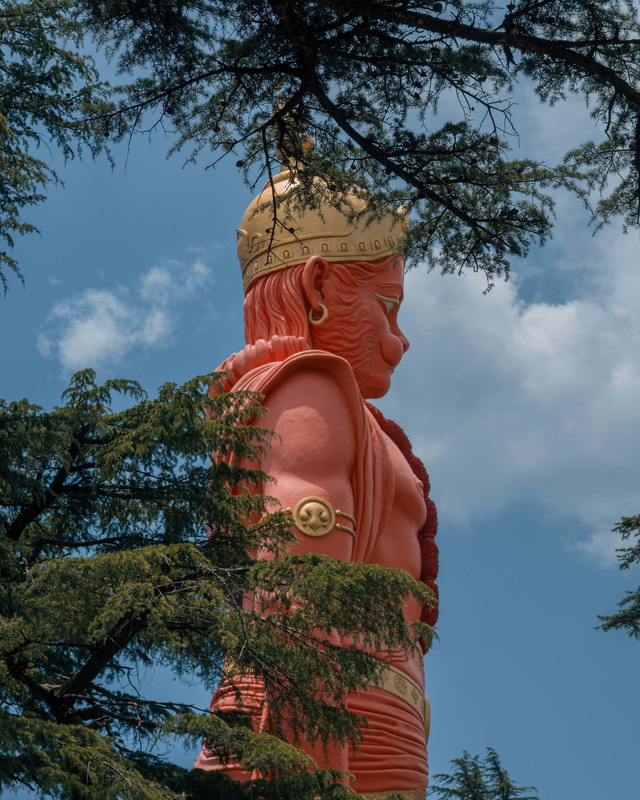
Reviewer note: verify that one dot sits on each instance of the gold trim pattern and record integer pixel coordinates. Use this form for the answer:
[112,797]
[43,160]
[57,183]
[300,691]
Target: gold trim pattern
[401,685]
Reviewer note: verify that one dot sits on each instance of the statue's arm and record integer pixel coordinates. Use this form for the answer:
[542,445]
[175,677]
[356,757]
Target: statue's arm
[313,452]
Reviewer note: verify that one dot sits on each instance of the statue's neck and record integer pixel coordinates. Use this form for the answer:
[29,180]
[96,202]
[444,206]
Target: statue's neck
[262,352]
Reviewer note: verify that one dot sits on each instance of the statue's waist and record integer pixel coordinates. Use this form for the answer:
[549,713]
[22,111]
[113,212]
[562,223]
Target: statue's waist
[394,681]
[401,685]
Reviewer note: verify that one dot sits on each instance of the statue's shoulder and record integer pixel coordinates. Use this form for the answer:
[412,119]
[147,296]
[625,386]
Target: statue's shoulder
[327,366]
[301,387]
[299,382]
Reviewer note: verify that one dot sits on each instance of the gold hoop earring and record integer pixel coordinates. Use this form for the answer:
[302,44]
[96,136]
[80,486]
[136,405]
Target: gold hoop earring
[323,318]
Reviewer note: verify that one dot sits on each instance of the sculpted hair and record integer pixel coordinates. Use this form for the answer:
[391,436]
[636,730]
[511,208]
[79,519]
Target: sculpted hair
[275,304]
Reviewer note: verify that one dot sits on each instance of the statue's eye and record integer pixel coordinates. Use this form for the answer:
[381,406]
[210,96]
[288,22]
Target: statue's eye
[388,302]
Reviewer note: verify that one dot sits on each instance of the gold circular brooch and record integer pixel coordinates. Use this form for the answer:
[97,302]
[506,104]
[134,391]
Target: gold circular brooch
[314,516]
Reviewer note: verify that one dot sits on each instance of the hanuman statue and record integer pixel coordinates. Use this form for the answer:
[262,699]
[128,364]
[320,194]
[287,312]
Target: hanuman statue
[321,325]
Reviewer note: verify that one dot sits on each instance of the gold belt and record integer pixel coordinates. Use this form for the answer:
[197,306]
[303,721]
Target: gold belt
[398,683]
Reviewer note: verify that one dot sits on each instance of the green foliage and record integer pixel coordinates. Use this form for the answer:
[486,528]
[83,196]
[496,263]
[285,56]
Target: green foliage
[411,101]
[46,89]
[628,618]
[473,778]
[122,547]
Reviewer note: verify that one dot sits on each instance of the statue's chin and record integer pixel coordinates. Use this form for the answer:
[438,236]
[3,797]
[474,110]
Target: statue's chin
[374,386]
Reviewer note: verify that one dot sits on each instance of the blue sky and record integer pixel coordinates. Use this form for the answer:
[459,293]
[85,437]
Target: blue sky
[522,403]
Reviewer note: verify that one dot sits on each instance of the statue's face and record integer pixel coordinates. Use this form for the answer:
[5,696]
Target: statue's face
[362,327]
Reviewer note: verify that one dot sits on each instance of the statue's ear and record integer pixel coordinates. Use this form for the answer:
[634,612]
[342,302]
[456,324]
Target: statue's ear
[314,275]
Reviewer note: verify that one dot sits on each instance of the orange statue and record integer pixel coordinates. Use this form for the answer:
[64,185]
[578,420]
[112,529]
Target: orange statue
[321,308]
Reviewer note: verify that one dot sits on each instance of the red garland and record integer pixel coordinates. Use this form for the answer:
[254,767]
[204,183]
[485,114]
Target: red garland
[426,536]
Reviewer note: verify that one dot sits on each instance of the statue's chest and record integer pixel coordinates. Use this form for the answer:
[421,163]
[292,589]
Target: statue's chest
[397,542]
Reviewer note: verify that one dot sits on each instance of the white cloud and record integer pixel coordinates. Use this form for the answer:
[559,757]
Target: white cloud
[172,281]
[508,401]
[99,327]
[156,285]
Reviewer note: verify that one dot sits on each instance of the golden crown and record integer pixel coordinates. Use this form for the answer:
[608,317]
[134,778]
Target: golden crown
[305,233]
